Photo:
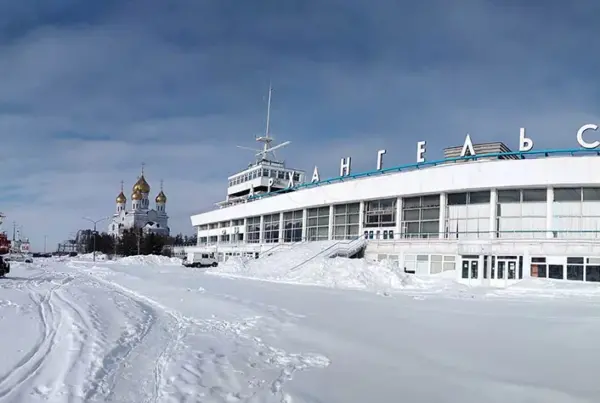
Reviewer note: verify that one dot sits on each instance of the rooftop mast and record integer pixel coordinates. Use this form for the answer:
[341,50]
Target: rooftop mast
[267,139]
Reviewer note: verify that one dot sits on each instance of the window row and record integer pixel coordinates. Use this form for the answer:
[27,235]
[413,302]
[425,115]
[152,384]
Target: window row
[264,173]
[577,268]
[424,211]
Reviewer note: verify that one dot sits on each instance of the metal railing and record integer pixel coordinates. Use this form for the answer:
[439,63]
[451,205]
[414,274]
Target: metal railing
[446,236]
[279,245]
[329,249]
[496,234]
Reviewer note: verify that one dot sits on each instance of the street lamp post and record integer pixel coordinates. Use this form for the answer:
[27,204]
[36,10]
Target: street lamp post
[94,232]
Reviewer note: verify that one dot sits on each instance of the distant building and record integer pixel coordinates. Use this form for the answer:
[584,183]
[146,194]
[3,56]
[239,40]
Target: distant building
[140,215]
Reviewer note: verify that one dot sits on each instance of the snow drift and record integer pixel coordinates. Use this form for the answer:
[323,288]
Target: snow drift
[90,256]
[149,260]
[326,272]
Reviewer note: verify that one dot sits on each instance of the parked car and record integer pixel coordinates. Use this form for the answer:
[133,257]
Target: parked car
[4,267]
[19,257]
[200,260]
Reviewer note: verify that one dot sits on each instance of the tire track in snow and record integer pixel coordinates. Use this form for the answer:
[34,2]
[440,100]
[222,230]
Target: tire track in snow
[103,383]
[165,321]
[164,360]
[32,362]
[85,337]
[238,377]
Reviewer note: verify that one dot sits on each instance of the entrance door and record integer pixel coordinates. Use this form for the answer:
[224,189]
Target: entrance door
[470,268]
[506,269]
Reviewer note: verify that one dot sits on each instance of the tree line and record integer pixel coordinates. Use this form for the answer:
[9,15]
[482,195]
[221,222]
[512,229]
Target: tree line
[135,242]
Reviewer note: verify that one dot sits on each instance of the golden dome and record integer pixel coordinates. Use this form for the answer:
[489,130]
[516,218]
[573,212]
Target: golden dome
[121,198]
[141,185]
[136,195]
[161,198]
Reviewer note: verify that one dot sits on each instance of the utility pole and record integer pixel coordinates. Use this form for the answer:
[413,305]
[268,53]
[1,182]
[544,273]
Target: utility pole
[94,233]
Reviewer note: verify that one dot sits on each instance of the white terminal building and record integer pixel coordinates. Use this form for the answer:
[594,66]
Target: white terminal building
[493,215]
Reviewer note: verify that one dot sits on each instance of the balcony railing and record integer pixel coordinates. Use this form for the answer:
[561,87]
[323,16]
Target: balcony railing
[454,236]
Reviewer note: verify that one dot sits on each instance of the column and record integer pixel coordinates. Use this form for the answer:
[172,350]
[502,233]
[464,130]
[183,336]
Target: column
[493,212]
[280,238]
[261,235]
[549,212]
[398,230]
[442,224]
[361,218]
[330,232]
[245,236]
[304,222]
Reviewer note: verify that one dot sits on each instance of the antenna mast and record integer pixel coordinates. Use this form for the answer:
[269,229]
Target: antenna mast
[267,139]
[269,110]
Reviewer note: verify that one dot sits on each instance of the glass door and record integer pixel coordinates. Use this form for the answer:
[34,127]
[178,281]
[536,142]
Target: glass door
[500,269]
[470,268]
[506,269]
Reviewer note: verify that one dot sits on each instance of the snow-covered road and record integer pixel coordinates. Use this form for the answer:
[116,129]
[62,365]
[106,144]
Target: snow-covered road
[78,332]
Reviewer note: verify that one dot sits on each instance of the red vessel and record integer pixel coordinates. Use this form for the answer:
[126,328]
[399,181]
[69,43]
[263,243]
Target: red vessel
[4,243]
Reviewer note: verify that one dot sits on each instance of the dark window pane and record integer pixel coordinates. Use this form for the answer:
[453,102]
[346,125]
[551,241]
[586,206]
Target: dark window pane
[509,196]
[591,194]
[455,199]
[567,194]
[411,202]
[574,272]
[592,273]
[534,195]
[479,197]
[430,201]
[575,260]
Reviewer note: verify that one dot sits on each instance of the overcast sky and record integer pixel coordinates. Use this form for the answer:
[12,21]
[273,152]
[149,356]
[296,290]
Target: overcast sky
[91,89]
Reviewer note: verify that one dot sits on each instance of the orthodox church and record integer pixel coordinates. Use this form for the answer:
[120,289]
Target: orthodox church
[140,215]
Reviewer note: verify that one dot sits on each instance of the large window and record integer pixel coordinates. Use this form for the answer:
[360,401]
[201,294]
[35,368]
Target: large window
[271,228]
[578,268]
[292,226]
[417,264]
[521,213]
[441,263]
[345,221]
[380,213]
[421,216]
[468,215]
[317,226]
[576,213]
[253,230]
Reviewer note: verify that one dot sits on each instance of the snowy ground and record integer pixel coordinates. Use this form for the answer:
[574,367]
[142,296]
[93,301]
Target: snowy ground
[129,331]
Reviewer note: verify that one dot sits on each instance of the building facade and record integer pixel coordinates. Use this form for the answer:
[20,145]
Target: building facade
[140,215]
[496,219]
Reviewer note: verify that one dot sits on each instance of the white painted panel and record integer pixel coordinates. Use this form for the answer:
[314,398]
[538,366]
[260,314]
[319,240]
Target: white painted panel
[534,209]
[566,209]
[590,208]
[590,223]
[479,210]
[510,210]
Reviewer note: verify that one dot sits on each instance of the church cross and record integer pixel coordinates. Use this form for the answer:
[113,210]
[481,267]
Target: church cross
[122,184]
[143,165]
